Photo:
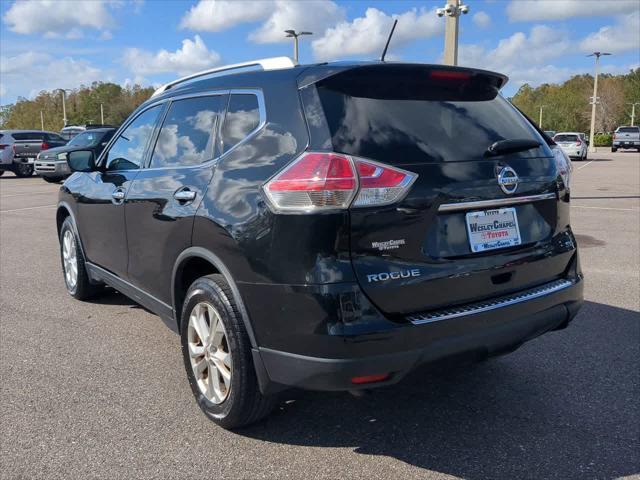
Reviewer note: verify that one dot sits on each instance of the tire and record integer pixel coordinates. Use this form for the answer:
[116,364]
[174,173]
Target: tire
[23,170]
[1,172]
[52,179]
[78,284]
[238,401]
[613,150]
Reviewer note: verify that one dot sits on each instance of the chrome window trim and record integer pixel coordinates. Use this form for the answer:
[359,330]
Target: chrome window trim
[481,307]
[497,202]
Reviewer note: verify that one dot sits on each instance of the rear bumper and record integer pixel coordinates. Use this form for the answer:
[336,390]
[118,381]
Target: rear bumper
[626,143]
[398,350]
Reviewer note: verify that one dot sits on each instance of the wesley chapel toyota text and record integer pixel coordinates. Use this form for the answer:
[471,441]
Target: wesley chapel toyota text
[326,226]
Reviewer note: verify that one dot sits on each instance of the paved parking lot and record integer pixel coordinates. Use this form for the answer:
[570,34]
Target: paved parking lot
[98,389]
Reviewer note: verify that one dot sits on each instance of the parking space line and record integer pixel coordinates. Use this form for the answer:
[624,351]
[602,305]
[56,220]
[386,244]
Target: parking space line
[585,165]
[22,194]
[608,208]
[27,208]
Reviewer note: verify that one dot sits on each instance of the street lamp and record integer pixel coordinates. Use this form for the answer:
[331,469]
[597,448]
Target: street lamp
[64,106]
[295,35]
[452,9]
[633,112]
[594,100]
[540,120]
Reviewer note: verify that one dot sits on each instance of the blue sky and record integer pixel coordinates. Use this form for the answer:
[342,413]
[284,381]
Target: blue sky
[48,44]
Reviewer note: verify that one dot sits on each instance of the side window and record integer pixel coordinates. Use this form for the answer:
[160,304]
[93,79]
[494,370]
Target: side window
[243,116]
[188,133]
[127,152]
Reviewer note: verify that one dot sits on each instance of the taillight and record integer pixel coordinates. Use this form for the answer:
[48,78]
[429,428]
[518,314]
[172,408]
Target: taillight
[318,181]
[578,143]
[563,165]
[44,146]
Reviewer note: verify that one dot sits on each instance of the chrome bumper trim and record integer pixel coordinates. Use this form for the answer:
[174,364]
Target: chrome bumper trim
[480,307]
[498,202]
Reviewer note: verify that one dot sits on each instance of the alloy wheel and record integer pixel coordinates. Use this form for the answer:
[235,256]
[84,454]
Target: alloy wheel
[70,259]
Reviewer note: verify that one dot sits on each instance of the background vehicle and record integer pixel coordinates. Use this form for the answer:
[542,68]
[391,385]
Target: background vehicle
[71,131]
[626,137]
[573,144]
[19,149]
[324,227]
[550,133]
[52,165]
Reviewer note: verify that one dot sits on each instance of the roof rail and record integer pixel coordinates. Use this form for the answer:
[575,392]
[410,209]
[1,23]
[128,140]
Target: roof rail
[273,63]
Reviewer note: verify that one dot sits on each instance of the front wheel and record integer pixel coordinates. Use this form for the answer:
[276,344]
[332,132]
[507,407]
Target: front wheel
[613,150]
[217,356]
[76,278]
[24,170]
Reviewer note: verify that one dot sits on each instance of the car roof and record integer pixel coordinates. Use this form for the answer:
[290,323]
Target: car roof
[569,133]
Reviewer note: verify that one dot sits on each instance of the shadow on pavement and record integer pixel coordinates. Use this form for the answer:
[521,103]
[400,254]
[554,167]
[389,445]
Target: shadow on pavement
[563,406]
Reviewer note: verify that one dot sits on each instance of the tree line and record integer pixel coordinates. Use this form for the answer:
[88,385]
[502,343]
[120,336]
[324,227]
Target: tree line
[566,107]
[82,107]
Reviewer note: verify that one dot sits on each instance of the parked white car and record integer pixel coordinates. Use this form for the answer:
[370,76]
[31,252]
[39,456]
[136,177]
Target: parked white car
[574,144]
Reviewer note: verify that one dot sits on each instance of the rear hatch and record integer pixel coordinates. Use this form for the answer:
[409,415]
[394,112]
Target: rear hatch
[27,145]
[416,255]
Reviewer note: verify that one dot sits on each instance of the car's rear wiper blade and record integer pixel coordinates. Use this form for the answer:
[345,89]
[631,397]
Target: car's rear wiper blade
[502,147]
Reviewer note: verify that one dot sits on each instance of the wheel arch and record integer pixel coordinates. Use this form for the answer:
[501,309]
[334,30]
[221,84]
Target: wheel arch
[193,261]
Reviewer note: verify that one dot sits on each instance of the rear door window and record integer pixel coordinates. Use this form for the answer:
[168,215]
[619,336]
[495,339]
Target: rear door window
[187,136]
[401,116]
[242,118]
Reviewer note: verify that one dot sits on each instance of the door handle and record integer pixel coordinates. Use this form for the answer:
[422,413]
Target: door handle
[118,195]
[185,195]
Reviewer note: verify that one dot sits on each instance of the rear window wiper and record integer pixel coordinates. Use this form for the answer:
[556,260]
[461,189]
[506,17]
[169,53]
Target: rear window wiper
[502,147]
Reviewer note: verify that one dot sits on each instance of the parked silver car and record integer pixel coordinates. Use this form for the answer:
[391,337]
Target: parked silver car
[626,137]
[574,144]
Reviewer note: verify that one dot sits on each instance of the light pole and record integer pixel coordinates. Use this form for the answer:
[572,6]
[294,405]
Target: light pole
[633,112]
[540,120]
[594,100]
[452,9]
[101,114]
[295,35]
[42,119]
[64,105]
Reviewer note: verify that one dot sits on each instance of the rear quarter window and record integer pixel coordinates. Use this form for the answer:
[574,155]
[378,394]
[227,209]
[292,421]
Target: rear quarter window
[242,118]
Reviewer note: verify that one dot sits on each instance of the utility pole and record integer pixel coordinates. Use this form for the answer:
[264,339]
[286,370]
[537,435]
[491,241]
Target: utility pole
[633,112]
[594,100]
[64,106]
[452,9]
[42,120]
[101,115]
[295,35]
[540,120]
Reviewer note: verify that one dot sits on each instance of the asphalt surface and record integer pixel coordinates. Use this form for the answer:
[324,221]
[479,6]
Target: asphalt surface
[98,390]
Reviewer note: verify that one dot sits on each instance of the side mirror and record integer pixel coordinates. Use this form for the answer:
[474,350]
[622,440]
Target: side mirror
[81,161]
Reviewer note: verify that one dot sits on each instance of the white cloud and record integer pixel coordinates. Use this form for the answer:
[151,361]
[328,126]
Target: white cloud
[276,15]
[314,16]
[192,57]
[482,20]
[367,35]
[536,10]
[524,58]
[621,37]
[218,15]
[60,18]
[31,72]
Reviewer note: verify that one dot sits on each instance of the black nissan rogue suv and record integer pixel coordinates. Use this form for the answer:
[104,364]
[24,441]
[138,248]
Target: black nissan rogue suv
[327,226]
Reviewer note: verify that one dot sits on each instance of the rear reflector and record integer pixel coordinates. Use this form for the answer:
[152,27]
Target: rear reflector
[370,378]
[318,181]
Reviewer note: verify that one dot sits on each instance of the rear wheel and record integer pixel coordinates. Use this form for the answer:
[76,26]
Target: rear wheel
[614,149]
[217,356]
[1,172]
[23,170]
[76,278]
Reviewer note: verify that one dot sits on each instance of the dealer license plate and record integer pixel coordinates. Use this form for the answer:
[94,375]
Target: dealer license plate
[491,229]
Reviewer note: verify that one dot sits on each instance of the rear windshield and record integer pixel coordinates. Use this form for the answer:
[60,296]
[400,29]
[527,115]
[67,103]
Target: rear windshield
[565,138]
[86,139]
[628,129]
[413,118]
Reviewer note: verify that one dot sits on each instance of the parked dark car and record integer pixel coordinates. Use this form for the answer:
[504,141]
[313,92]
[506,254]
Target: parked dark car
[52,165]
[325,227]
[19,149]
